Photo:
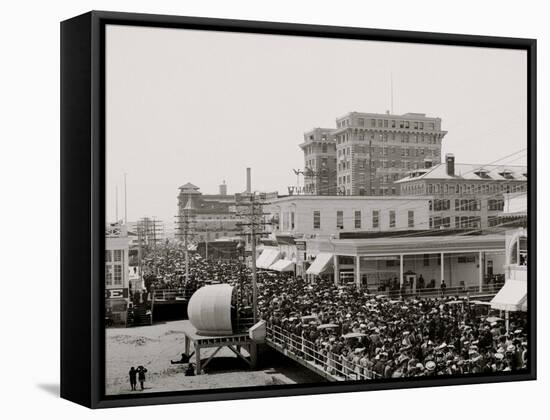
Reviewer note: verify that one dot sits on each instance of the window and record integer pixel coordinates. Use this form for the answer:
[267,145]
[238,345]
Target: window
[117,278]
[292,220]
[357,219]
[496,205]
[375,218]
[316,219]
[108,275]
[411,219]
[118,255]
[339,219]
[392,218]
[108,256]
[426,260]
[361,122]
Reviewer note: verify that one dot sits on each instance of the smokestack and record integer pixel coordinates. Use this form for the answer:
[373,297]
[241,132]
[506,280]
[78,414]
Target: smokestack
[223,189]
[248,181]
[450,162]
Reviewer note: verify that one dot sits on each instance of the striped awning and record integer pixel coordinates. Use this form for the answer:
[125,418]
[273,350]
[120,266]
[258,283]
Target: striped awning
[512,297]
[321,264]
[282,265]
[267,258]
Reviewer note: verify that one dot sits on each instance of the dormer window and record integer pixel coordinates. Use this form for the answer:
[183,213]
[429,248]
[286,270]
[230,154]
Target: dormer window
[506,174]
[482,173]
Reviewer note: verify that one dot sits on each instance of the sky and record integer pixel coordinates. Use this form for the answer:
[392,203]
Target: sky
[199,106]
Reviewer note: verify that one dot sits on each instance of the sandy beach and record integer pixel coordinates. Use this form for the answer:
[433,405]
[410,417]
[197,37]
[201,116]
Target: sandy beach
[154,346]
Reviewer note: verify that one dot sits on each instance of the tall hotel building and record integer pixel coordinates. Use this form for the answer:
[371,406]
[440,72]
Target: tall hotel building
[369,152]
[319,149]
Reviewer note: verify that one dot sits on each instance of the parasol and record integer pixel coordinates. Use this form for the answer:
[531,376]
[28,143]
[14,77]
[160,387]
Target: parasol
[492,319]
[327,326]
[354,335]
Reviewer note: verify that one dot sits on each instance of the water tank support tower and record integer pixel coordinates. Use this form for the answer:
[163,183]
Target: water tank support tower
[212,324]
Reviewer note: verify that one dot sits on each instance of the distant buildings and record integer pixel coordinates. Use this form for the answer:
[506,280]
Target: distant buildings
[149,230]
[367,152]
[214,215]
[464,196]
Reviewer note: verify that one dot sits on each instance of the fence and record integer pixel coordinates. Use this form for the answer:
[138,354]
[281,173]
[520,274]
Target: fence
[331,364]
[449,291]
[170,295]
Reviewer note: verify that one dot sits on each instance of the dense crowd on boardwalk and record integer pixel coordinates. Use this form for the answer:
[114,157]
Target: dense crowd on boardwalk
[356,335]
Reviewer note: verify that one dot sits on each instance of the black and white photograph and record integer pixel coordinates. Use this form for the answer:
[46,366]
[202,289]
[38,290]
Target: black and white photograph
[286,210]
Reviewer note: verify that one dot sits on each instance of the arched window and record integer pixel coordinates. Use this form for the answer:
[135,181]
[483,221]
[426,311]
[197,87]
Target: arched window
[518,252]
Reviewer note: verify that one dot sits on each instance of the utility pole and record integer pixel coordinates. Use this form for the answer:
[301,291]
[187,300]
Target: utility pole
[253,214]
[206,242]
[185,220]
[253,262]
[116,203]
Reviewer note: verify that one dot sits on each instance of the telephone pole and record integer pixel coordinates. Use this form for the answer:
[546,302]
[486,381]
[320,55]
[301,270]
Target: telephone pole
[185,221]
[251,205]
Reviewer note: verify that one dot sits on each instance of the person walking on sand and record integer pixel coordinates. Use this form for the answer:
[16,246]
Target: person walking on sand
[132,374]
[141,376]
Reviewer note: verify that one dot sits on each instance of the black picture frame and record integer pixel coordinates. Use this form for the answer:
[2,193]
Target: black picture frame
[83,203]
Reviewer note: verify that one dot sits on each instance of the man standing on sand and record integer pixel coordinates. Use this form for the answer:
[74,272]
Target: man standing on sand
[133,373]
[141,375]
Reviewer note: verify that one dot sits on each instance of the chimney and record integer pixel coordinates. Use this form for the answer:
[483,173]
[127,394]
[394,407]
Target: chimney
[427,163]
[450,162]
[248,181]
[223,189]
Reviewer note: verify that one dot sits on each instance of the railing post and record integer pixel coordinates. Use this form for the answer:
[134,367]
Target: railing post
[481,270]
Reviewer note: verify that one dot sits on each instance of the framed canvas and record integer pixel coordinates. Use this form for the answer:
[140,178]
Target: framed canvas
[257,209]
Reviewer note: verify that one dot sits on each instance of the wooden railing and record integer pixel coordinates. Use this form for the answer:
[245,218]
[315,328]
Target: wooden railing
[330,363]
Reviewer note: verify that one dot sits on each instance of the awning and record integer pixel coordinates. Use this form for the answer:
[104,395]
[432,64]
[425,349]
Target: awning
[321,263]
[267,258]
[512,297]
[282,265]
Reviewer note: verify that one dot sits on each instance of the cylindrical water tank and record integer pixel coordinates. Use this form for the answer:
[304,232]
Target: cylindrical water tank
[209,310]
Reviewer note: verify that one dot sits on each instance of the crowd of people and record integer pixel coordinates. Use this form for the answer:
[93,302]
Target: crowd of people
[354,334]
[358,335]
